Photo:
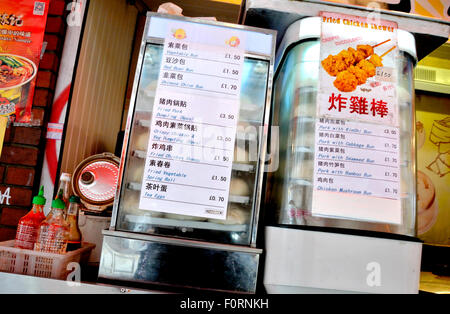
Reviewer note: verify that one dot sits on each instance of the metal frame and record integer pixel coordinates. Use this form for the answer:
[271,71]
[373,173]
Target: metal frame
[263,139]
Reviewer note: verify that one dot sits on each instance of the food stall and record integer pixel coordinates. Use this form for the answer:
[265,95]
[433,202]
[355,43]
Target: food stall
[187,204]
[319,165]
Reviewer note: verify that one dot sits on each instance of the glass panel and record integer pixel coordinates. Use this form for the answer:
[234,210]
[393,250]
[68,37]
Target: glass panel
[294,111]
[237,227]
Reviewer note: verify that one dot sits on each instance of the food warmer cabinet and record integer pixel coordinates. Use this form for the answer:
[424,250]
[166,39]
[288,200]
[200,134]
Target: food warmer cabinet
[181,250]
[308,252]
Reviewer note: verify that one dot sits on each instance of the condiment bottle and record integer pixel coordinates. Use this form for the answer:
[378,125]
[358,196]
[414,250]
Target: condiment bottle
[28,225]
[64,188]
[53,233]
[74,238]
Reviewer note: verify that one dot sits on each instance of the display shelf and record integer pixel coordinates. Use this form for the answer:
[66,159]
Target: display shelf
[305,119]
[243,167]
[144,123]
[303,149]
[239,199]
[300,181]
[429,33]
[181,223]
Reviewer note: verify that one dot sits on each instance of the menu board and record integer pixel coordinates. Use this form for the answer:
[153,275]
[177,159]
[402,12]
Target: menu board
[357,141]
[193,126]
[22,26]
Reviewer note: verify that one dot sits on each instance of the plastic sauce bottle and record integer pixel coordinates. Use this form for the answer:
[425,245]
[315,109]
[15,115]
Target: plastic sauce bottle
[28,226]
[74,238]
[53,233]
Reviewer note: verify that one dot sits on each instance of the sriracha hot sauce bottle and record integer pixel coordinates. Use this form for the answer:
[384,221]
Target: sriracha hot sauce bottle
[53,233]
[28,225]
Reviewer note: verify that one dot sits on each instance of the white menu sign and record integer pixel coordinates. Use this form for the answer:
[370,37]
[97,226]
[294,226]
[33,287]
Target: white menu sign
[357,140]
[193,127]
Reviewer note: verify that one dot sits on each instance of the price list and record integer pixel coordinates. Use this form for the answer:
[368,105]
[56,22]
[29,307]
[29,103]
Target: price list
[193,127]
[360,160]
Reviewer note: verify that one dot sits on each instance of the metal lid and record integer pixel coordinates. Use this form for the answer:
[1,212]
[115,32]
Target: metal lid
[95,180]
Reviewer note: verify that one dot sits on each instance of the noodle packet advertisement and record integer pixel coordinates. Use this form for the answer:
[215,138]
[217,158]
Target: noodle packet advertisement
[358,69]
[22,27]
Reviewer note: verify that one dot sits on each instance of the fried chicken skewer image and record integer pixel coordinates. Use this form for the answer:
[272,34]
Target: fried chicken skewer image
[347,80]
[346,58]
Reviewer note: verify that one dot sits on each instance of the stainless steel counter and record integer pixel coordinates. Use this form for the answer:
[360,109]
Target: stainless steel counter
[20,284]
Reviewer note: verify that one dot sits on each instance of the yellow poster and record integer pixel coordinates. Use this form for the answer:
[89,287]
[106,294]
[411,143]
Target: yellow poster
[3,124]
[433,172]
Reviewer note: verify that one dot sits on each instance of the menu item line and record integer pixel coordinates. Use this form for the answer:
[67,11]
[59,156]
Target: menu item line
[203,59]
[363,178]
[203,90]
[199,204]
[192,162]
[363,148]
[193,186]
[356,162]
[203,123]
[208,147]
[204,74]
[362,134]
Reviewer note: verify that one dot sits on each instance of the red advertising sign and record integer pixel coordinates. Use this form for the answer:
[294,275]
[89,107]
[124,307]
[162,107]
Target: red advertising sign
[22,27]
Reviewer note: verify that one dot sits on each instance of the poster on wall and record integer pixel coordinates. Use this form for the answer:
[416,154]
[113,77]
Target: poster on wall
[22,27]
[433,174]
[357,170]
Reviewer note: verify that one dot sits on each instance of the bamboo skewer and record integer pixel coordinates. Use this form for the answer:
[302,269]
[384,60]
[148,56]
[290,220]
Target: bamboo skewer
[381,43]
[393,47]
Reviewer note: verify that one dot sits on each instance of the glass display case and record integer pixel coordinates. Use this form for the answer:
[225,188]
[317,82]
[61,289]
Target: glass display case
[177,235]
[238,226]
[295,112]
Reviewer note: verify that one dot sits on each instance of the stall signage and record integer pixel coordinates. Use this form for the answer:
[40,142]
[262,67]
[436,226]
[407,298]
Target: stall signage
[22,26]
[193,126]
[357,166]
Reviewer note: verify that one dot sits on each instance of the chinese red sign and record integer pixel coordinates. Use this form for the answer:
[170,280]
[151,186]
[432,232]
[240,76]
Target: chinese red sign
[22,26]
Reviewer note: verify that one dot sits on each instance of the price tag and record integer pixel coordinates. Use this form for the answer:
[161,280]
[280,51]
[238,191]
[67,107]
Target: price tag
[193,126]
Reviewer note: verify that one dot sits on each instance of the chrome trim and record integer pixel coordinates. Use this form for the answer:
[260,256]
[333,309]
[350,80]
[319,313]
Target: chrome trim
[182,242]
[263,149]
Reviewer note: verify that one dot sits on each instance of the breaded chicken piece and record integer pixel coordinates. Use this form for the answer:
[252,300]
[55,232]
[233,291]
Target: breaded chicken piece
[345,81]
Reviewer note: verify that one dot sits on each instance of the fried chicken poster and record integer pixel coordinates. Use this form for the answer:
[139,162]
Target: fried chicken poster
[358,76]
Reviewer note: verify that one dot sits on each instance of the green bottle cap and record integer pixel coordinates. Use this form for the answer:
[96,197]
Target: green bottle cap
[74,199]
[40,199]
[58,203]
